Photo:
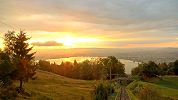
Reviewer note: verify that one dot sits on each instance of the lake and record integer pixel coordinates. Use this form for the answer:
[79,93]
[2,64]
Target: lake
[128,63]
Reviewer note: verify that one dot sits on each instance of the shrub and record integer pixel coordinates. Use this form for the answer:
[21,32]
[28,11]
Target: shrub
[137,88]
[148,93]
[102,91]
[8,93]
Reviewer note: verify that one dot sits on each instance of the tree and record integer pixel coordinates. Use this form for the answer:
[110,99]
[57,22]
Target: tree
[163,68]
[76,70]
[7,89]
[135,71]
[146,70]
[44,65]
[6,69]
[98,69]
[176,67]
[113,66]
[86,70]
[171,68]
[151,69]
[17,47]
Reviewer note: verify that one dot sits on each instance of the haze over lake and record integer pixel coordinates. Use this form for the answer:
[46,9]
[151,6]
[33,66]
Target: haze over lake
[129,65]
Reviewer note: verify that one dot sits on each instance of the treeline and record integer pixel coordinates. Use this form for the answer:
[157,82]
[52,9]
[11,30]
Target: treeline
[87,70]
[151,69]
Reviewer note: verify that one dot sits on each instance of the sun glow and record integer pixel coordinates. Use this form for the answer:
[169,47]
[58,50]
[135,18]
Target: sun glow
[69,41]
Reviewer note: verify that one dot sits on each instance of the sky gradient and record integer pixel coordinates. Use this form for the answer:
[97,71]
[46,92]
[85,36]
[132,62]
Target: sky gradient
[93,23]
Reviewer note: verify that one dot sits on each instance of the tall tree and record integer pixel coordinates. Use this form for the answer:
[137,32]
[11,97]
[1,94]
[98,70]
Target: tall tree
[113,67]
[17,46]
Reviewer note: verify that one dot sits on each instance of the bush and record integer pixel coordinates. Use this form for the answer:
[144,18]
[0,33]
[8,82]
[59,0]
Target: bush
[102,91]
[137,88]
[8,93]
[148,93]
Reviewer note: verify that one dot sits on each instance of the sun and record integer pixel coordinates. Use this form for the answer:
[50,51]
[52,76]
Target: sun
[68,41]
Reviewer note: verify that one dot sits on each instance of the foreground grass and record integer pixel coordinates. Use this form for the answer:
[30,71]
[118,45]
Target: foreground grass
[116,93]
[167,87]
[50,86]
[131,95]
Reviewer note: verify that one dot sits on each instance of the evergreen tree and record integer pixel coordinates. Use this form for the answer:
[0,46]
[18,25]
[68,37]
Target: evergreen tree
[17,46]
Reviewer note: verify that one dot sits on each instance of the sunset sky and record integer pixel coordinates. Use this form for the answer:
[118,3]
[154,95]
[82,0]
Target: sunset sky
[93,23]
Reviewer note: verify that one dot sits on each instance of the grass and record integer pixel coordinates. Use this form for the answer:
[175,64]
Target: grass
[131,95]
[167,87]
[168,81]
[113,96]
[116,93]
[50,86]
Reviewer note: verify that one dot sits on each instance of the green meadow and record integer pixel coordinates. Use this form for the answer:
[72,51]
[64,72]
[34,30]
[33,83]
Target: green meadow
[49,86]
[167,87]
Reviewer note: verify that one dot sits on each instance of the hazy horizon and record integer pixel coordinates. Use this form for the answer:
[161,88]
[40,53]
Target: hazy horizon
[134,54]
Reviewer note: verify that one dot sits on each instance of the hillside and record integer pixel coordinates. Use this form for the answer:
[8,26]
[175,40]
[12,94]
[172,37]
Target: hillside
[49,86]
[167,87]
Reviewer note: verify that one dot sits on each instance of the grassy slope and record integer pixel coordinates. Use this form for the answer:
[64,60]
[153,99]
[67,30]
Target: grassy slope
[167,87]
[49,86]
[168,81]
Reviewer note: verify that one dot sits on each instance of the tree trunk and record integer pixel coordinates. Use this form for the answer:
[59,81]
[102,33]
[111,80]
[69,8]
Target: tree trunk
[21,84]
[20,88]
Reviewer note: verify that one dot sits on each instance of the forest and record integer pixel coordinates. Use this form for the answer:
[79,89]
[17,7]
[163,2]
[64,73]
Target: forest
[87,70]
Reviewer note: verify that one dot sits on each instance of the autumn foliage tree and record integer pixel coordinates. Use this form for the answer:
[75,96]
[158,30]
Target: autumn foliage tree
[19,51]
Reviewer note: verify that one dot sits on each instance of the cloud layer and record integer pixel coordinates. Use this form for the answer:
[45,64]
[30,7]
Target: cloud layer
[48,43]
[111,19]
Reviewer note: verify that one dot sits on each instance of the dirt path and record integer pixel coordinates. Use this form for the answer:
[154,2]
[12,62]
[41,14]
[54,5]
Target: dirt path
[123,94]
